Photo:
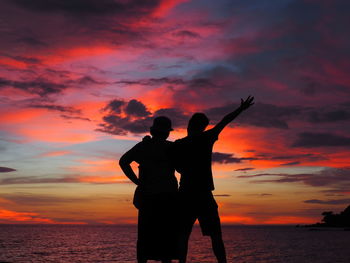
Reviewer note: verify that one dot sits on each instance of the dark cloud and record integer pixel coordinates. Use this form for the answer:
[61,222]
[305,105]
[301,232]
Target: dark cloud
[45,82]
[261,115]
[312,139]
[52,107]
[330,116]
[31,41]
[115,106]
[186,34]
[245,169]
[260,195]
[27,60]
[325,177]
[36,180]
[224,158]
[203,87]
[340,191]
[6,170]
[52,180]
[222,195]
[137,109]
[136,118]
[38,86]
[293,159]
[42,25]
[89,7]
[153,81]
[67,117]
[88,80]
[69,113]
[304,157]
[290,163]
[195,82]
[328,202]
[117,125]
[36,199]
[264,194]
[291,50]
[177,116]
[133,116]
[200,83]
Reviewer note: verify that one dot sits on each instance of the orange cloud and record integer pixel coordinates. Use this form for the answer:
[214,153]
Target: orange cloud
[5,201]
[71,223]
[7,215]
[55,153]
[97,166]
[103,179]
[19,116]
[284,220]
[50,134]
[237,219]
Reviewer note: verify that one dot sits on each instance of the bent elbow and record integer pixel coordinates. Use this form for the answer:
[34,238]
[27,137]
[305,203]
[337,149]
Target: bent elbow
[123,161]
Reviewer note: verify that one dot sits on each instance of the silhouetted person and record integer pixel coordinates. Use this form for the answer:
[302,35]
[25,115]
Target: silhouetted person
[192,156]
[155,195]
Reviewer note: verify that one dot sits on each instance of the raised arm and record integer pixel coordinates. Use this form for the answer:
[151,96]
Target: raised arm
[124,163]
[245,104]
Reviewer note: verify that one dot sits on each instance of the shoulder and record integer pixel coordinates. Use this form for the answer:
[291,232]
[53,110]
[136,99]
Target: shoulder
[169,142]
[182,140]
[139,146]
[211,134]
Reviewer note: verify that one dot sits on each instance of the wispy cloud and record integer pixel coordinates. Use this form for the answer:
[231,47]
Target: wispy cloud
[218,157]
[325,177]
[328,202]
[6,170]
[64,179]
[313,139]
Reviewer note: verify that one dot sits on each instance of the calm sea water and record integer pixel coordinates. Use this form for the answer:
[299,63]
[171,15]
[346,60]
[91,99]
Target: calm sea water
[244,244]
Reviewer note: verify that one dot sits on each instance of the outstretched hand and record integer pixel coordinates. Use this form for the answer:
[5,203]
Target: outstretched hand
[245,104]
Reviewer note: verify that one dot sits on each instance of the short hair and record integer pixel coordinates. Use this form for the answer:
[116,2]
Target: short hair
[198,122]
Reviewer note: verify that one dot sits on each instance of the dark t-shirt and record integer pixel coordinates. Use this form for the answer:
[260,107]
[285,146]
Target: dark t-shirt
[156,171]
[192,156]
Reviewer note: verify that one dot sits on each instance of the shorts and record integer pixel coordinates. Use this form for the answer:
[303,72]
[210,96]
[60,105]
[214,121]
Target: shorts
[201,206]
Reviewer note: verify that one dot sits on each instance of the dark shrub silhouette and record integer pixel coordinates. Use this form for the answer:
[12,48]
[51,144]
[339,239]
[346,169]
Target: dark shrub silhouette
[335,220]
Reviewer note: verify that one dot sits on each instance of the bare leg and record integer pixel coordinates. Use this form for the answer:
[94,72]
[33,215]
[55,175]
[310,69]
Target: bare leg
[184,248]
[219,248]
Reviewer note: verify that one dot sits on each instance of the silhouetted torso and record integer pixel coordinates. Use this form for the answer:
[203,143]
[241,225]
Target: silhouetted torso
[193,161]
[156,173]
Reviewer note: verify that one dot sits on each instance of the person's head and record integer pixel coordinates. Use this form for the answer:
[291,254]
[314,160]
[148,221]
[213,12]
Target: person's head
[197,124]
[161,128]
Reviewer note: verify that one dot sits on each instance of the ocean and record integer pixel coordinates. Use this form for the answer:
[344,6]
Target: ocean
[112,243]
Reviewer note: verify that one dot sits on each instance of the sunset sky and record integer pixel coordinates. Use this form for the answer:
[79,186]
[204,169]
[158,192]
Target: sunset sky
[81,81]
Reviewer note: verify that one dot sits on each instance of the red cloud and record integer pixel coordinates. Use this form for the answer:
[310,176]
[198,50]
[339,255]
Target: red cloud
[24,217]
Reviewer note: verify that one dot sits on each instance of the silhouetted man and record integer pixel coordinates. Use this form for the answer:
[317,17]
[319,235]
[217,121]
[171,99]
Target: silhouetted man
[192,156]
[156,194]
